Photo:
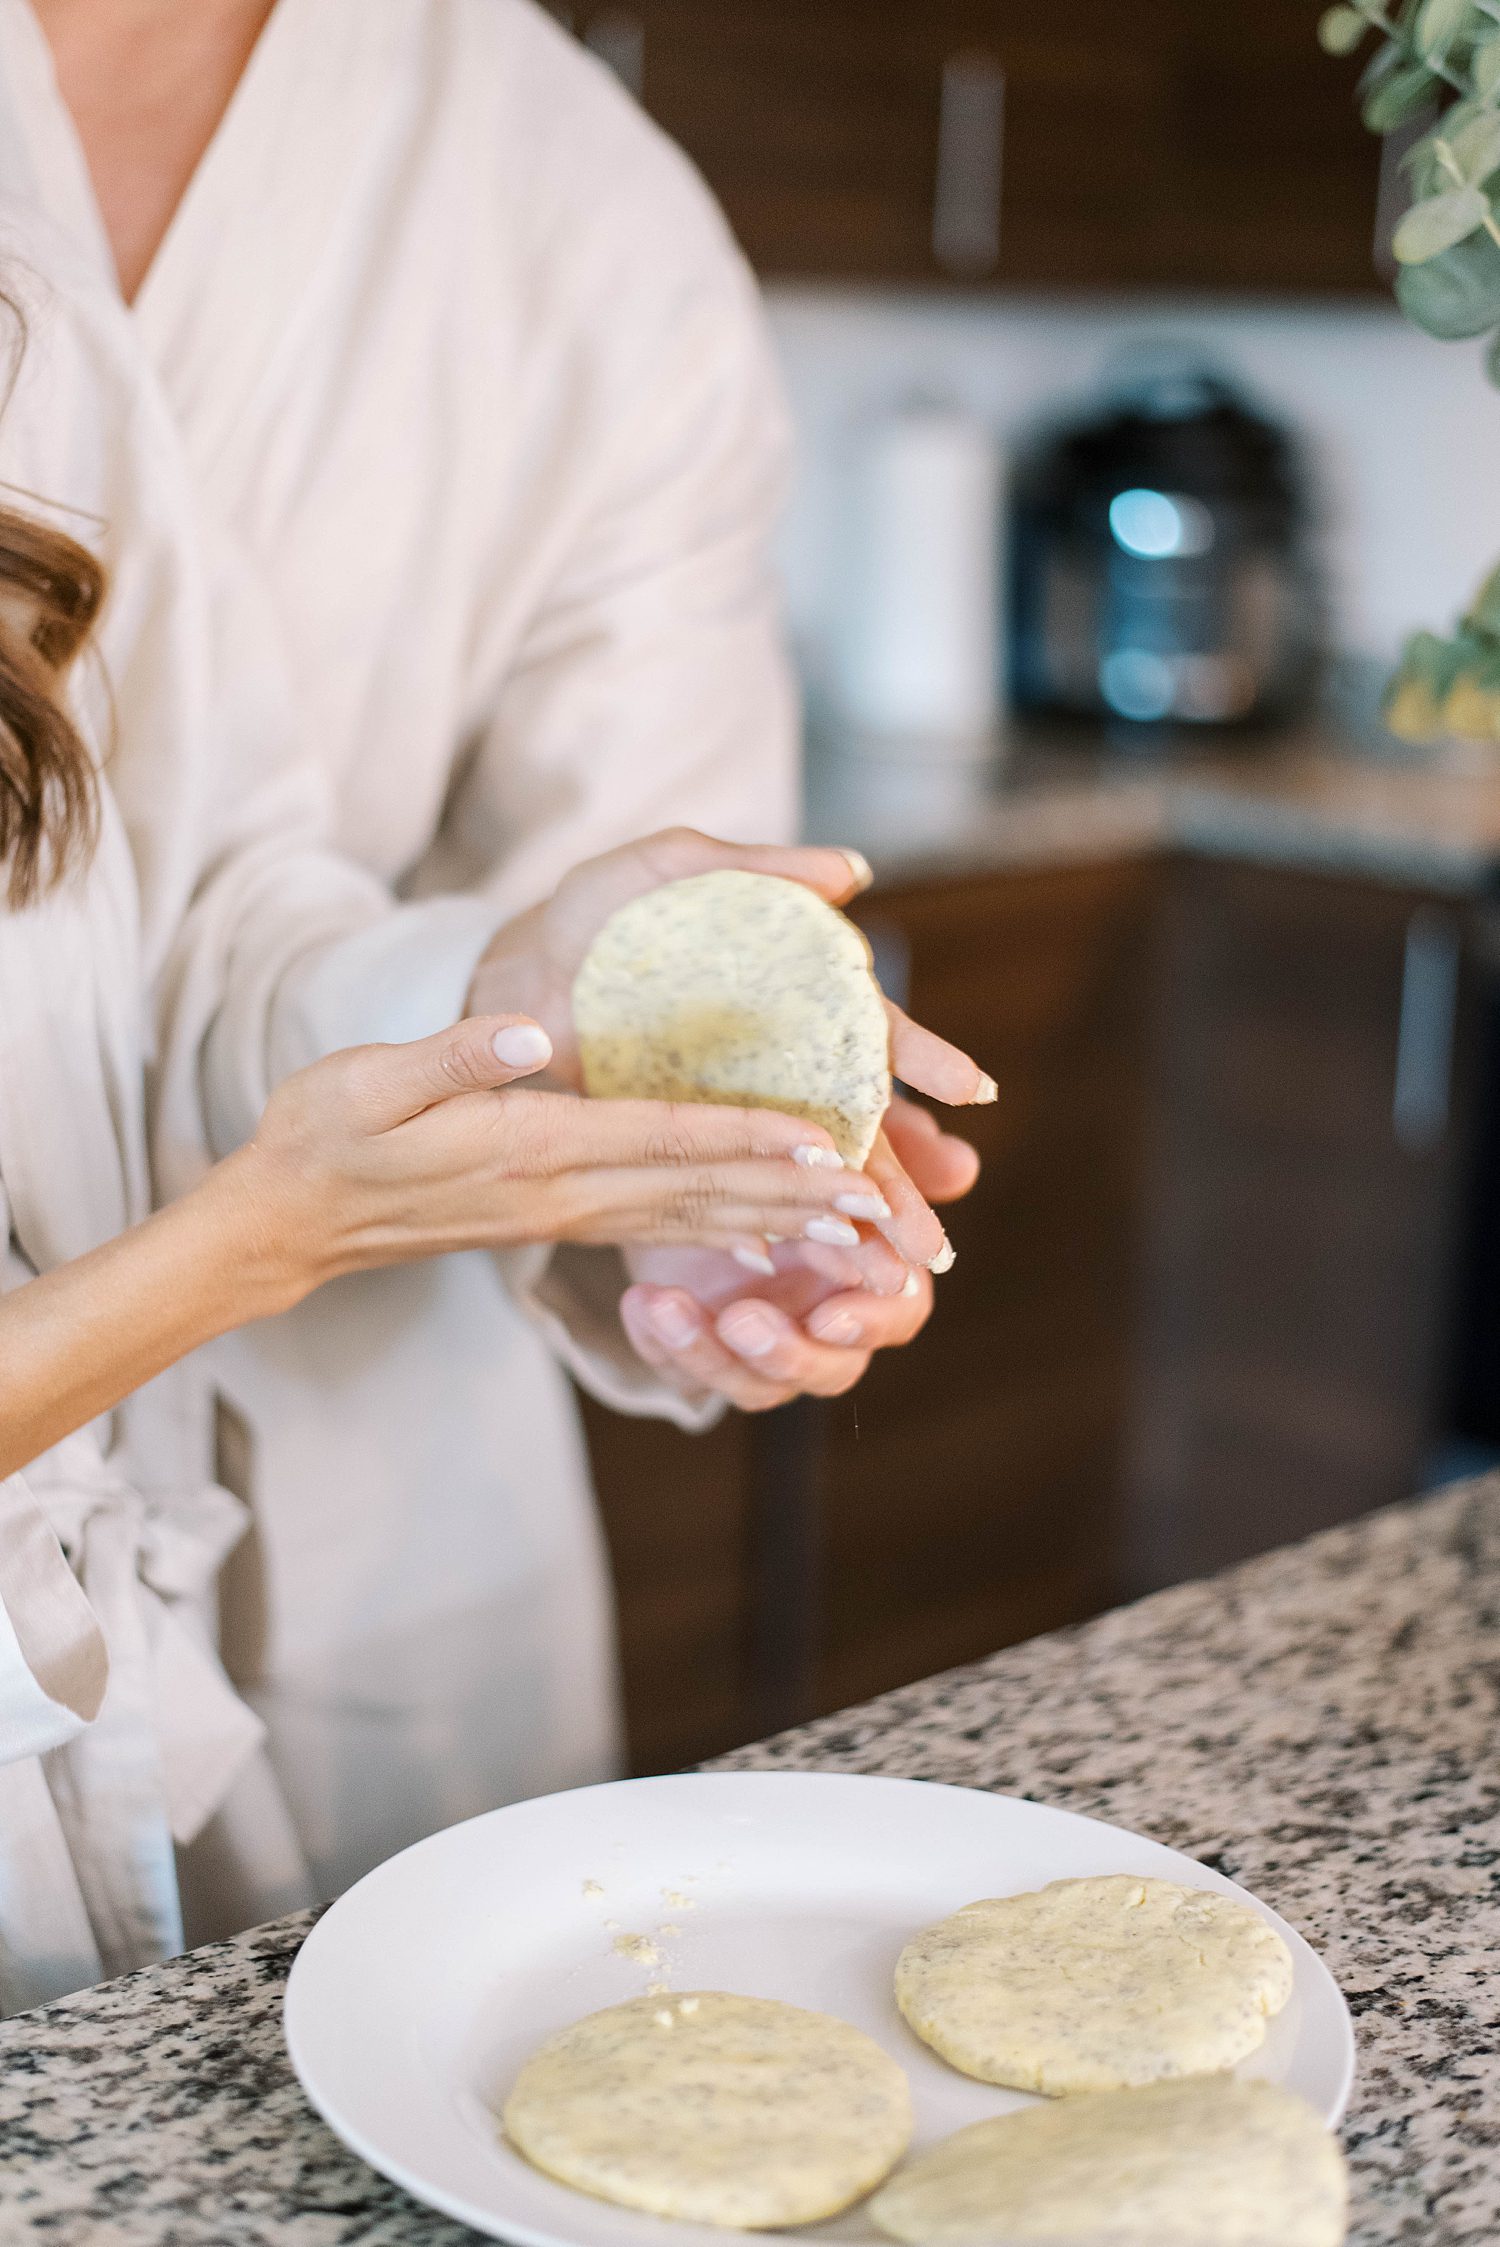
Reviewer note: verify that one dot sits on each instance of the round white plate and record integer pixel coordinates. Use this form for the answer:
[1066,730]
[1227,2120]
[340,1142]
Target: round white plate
[414,2001]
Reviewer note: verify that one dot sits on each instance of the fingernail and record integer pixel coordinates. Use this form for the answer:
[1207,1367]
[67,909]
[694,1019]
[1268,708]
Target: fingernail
[521,1045]
[675,1324]
[862,1205]
[911,1285]
[841,1327]
[749,1331]
[988,1091]
[754,1260]
[945,1258]
[818,1158]
[859,867]
[832,1231]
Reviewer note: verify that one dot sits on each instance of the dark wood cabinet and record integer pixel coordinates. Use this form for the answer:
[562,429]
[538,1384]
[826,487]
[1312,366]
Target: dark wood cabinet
[1164,145]
[1310,1140]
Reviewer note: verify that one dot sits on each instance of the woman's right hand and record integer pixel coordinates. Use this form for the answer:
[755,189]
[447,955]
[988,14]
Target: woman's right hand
[384,1154]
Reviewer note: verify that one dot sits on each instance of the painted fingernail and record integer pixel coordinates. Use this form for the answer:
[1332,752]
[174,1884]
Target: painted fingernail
[841,1327]
[521,1045]
[988,1091]
[911,1285]
[945,1258]
[869,1206]
[675,1324]
[832,1231]
[754,1260]
[818,1158]
[859,866]
[749,1331]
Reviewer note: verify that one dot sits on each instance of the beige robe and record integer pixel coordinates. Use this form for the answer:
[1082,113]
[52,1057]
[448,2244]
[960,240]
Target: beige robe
[121,1738]
[466,366]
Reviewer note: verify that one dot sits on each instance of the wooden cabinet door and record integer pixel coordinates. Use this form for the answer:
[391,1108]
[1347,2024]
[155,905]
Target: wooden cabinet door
[814,121]
[1308,1143]
[971,1484]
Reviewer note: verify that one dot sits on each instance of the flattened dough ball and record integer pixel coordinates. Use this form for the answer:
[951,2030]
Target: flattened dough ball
[740,989]
[1206,2160]
[717,2109]
[1090,1985]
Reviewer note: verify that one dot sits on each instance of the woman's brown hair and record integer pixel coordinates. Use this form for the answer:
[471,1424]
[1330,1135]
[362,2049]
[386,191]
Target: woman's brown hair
[50,592]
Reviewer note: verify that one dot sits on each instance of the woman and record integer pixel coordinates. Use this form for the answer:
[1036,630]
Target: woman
[465,363]
[120,1736]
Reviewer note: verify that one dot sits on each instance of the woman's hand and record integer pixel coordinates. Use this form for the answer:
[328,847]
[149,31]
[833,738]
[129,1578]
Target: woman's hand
[809,1323]
[530,965]
[389,1153]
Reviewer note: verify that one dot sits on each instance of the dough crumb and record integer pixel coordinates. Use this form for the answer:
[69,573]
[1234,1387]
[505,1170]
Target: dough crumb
[640,1948]
[592,1888]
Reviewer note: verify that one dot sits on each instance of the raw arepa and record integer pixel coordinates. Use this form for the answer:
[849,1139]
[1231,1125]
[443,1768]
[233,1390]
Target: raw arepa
[716,2109]
[740,989]
[1090,1985]
[1205,2162]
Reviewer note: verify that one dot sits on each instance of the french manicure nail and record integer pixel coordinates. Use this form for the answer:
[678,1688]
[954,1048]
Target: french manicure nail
[521,1045]
[988,1091]
[868,1206]
[911,1285]
[749,1331]
[754,1260]
[818,1158]
[945,1258]
[675,1324]
[832,1231]
[859,867]
[843,1328]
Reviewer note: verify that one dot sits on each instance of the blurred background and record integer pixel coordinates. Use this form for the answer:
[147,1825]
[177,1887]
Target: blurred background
[1121,483]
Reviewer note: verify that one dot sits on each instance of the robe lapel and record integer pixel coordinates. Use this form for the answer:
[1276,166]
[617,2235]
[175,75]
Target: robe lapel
[238,279]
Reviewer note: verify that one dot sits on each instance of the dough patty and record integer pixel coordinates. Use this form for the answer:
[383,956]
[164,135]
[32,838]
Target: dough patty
[738,988]
[1171,2165]
[1089,1985]
[718,2109]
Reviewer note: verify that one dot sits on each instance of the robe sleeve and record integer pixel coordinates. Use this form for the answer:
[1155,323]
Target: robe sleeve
[653,687]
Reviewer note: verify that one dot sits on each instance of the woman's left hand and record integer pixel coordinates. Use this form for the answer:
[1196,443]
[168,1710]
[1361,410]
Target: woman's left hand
[811,1325]
[529,966]
[703,1323]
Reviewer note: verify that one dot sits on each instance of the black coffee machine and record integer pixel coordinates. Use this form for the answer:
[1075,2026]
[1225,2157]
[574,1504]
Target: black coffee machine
[1160,571]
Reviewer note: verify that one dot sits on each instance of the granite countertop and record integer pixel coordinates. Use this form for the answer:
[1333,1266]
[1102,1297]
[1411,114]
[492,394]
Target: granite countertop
[1322,1724]
[1317,798]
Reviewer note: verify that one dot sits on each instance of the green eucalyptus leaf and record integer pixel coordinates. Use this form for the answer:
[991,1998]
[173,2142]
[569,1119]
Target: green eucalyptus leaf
[1485,68]
[1439,23]
[1484,611]
[1434,226]
[1457,295]
[1340,30]
[1492,359]
[1476,146]
[1397,95]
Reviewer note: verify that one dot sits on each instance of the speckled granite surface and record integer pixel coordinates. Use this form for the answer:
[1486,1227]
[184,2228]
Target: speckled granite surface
[1323,1724]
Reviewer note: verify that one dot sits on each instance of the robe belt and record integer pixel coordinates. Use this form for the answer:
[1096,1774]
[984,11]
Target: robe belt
[146,1564]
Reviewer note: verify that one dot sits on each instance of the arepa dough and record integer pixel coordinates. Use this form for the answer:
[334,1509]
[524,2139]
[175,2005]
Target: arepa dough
[739,989]
[1090,1985]
[713,2108]
[1204,2162]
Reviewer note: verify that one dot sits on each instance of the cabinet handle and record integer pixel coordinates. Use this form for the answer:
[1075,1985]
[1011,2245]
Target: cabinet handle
[971,127]
[1424,1040]
[618,37]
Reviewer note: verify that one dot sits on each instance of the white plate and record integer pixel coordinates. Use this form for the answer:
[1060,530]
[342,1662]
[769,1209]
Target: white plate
[416,1998]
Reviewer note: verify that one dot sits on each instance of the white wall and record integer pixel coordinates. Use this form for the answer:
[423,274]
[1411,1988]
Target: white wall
[1402,433]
